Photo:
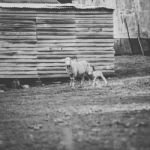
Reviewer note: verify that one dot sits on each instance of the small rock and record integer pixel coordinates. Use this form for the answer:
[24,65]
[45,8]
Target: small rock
[116,122]
[25,86]
[96,129]
[36,127]
[141,124]
[121,123]
[132,118]
[31,137]
[123,139]
[58,120]
[127,124]
[132,132]
[80,136]
[3,87]
[106,142]
[77,126]
[57,82]
[1,142]
[2,91]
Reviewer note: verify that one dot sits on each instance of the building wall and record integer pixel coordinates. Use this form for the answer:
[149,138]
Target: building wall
[29,1]
[132,10]
[33,41]
[124,43]
[136,12]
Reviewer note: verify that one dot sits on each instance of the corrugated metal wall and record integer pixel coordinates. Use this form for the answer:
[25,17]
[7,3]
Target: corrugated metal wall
[30,1]
[33,42]
[100,3]
[18,49]
[132,10]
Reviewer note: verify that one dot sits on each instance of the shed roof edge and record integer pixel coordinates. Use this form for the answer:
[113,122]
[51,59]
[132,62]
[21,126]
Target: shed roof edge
[50,6]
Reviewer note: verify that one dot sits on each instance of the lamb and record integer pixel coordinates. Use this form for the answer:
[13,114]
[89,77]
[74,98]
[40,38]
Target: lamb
[76,68]
[96,74]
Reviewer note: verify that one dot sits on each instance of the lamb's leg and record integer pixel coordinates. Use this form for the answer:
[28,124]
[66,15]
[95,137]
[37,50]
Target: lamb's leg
[72,82]
[94,81]
[102,76]
[89,80]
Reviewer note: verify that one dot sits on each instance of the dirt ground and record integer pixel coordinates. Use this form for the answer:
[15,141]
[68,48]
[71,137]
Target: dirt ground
[56,117]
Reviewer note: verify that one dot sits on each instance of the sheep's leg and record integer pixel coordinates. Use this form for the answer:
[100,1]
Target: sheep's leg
[72,82]
[82,80]
[102,76]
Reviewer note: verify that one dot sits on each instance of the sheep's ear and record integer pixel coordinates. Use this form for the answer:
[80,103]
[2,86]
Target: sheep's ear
[93,68]
[74,57]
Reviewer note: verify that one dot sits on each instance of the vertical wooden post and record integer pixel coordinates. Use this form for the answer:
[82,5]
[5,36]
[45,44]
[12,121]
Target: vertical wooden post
[138,27]
[125,21]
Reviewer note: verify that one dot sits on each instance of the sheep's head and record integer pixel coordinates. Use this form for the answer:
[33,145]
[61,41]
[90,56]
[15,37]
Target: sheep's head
[67,61]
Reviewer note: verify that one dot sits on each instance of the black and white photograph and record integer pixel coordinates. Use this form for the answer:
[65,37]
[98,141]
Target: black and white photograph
[74,74]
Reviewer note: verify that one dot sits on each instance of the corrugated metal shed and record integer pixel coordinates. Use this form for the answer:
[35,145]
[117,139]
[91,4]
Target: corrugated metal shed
[33,41]
[30,1]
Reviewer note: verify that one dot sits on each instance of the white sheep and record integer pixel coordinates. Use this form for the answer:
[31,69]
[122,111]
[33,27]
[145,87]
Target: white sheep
[76,68]
[96,74]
